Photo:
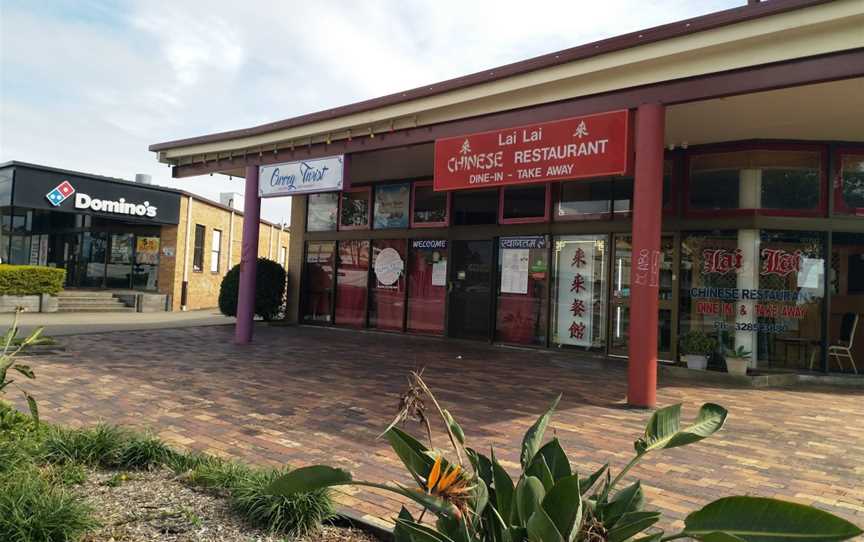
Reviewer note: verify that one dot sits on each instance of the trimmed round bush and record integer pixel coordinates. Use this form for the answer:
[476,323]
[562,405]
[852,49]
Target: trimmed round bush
[270,281]
[31,280]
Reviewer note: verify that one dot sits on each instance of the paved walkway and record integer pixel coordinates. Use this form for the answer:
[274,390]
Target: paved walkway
[73,323]
[308,395]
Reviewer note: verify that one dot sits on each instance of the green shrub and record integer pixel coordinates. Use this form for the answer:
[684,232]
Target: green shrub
[99,445]
[142,452]
[33,510]
[31,280]
[270,284]
[295,515]
[66,474]
[216,473]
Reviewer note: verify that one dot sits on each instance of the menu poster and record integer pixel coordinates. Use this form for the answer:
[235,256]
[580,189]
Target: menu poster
[575,318]
[392,202]
[439,273]
[514,270]
[147,250]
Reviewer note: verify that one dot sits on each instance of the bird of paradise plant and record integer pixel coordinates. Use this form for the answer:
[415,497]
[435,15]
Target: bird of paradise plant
[549,502]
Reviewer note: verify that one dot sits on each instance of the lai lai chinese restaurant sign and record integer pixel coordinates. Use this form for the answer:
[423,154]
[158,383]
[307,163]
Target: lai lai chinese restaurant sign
[579,147]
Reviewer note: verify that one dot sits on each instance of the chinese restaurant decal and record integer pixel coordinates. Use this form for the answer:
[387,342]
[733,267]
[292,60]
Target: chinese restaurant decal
[575,318]
[579,147]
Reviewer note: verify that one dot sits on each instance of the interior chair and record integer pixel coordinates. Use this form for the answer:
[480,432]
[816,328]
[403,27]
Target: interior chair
[842,349]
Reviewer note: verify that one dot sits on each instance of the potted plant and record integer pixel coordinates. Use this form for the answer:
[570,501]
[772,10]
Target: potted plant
[737,361]
[695,347]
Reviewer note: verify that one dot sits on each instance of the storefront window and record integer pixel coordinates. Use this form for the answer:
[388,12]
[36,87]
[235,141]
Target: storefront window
[321,211]
[475,207]
[787,180]
[387,296]
[119,269]
[318,283]
[521,204]
[430,208]
[847,302]
[622,192]
[427,286]
[352,283]
[758,290]
[354,209]
[579,295]
[392,202]
[523,270]
[146,271]
[850,192]
[584,199]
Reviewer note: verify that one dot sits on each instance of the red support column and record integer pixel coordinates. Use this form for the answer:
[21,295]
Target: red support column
[645,265]
[248,258]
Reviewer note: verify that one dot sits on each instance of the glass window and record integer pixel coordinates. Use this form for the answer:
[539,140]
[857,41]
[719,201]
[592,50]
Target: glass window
[579,295]
[847,300]
[354,210]
[427,286]
[622,192]
[850,194]
[392,202]
[145,274]
[321,211]
[318,281]
[215,250]
[756,179]
[352,283]
[430,207]
[523,269]
[198,249]
[584,199]
[758,290]
[472,207]
[387,297]
[525,203]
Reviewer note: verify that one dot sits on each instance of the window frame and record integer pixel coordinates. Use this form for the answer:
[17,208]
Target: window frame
[447,206]
[820,210]
[841,208]
[198,250]
[547,198]
[369,208]
[585,216]
[217,252]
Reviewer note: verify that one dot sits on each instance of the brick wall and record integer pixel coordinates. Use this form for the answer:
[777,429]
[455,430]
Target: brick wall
[203,288]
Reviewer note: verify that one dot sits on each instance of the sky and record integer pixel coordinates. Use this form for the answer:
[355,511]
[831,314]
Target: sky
[88,85]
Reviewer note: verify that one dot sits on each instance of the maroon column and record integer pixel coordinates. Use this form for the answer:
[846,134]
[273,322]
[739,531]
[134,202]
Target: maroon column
[248,258]
[645,265]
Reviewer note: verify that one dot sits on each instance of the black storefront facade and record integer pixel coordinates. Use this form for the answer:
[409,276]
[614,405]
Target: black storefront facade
[105,232]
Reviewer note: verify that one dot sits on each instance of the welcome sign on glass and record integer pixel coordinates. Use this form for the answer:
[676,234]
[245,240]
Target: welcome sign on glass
[301,177]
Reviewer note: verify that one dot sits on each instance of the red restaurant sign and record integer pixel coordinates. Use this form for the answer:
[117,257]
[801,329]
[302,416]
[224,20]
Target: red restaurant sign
[579,147]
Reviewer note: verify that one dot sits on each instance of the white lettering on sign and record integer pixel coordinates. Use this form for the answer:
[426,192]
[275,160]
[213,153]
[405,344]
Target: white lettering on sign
[120,207]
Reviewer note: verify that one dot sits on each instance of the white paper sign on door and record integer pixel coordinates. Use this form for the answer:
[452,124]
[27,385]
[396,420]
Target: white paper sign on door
[575,316]
[514,270]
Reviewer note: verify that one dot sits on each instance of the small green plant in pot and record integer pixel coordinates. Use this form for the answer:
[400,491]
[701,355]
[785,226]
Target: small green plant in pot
[737,360]
[472,498]
[695,347]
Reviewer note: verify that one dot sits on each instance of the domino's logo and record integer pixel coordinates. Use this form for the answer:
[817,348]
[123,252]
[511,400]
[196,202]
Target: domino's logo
[60,193]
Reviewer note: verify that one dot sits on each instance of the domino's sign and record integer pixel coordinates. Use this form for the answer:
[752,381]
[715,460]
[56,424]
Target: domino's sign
[301,177]
[120,206]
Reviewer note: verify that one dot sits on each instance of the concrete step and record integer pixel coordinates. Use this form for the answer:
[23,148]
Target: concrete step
[86,293]
[88,300]
[94,308]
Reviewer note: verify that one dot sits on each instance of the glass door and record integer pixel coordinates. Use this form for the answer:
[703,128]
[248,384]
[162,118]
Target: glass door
[94,250]
[118,272]
[619,317]
[470,290]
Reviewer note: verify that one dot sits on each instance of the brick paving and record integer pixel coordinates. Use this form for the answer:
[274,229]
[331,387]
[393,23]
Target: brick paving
[307,395]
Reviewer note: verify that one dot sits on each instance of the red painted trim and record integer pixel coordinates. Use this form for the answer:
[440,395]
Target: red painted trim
[618,43]
[447,202]
[840,206]
[817,69]
[532,220]
[738,146]
[368,226]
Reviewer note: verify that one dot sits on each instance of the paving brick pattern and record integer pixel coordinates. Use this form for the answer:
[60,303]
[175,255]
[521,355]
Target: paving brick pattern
[310,395]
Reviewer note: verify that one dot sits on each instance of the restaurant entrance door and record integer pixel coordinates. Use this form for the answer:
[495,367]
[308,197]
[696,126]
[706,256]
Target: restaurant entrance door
[469,311]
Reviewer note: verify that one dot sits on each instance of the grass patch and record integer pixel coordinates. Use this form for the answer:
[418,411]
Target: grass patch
[215,473]
[296,515]
[32,509]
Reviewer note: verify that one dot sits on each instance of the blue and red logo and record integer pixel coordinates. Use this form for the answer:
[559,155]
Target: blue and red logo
[60,193]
